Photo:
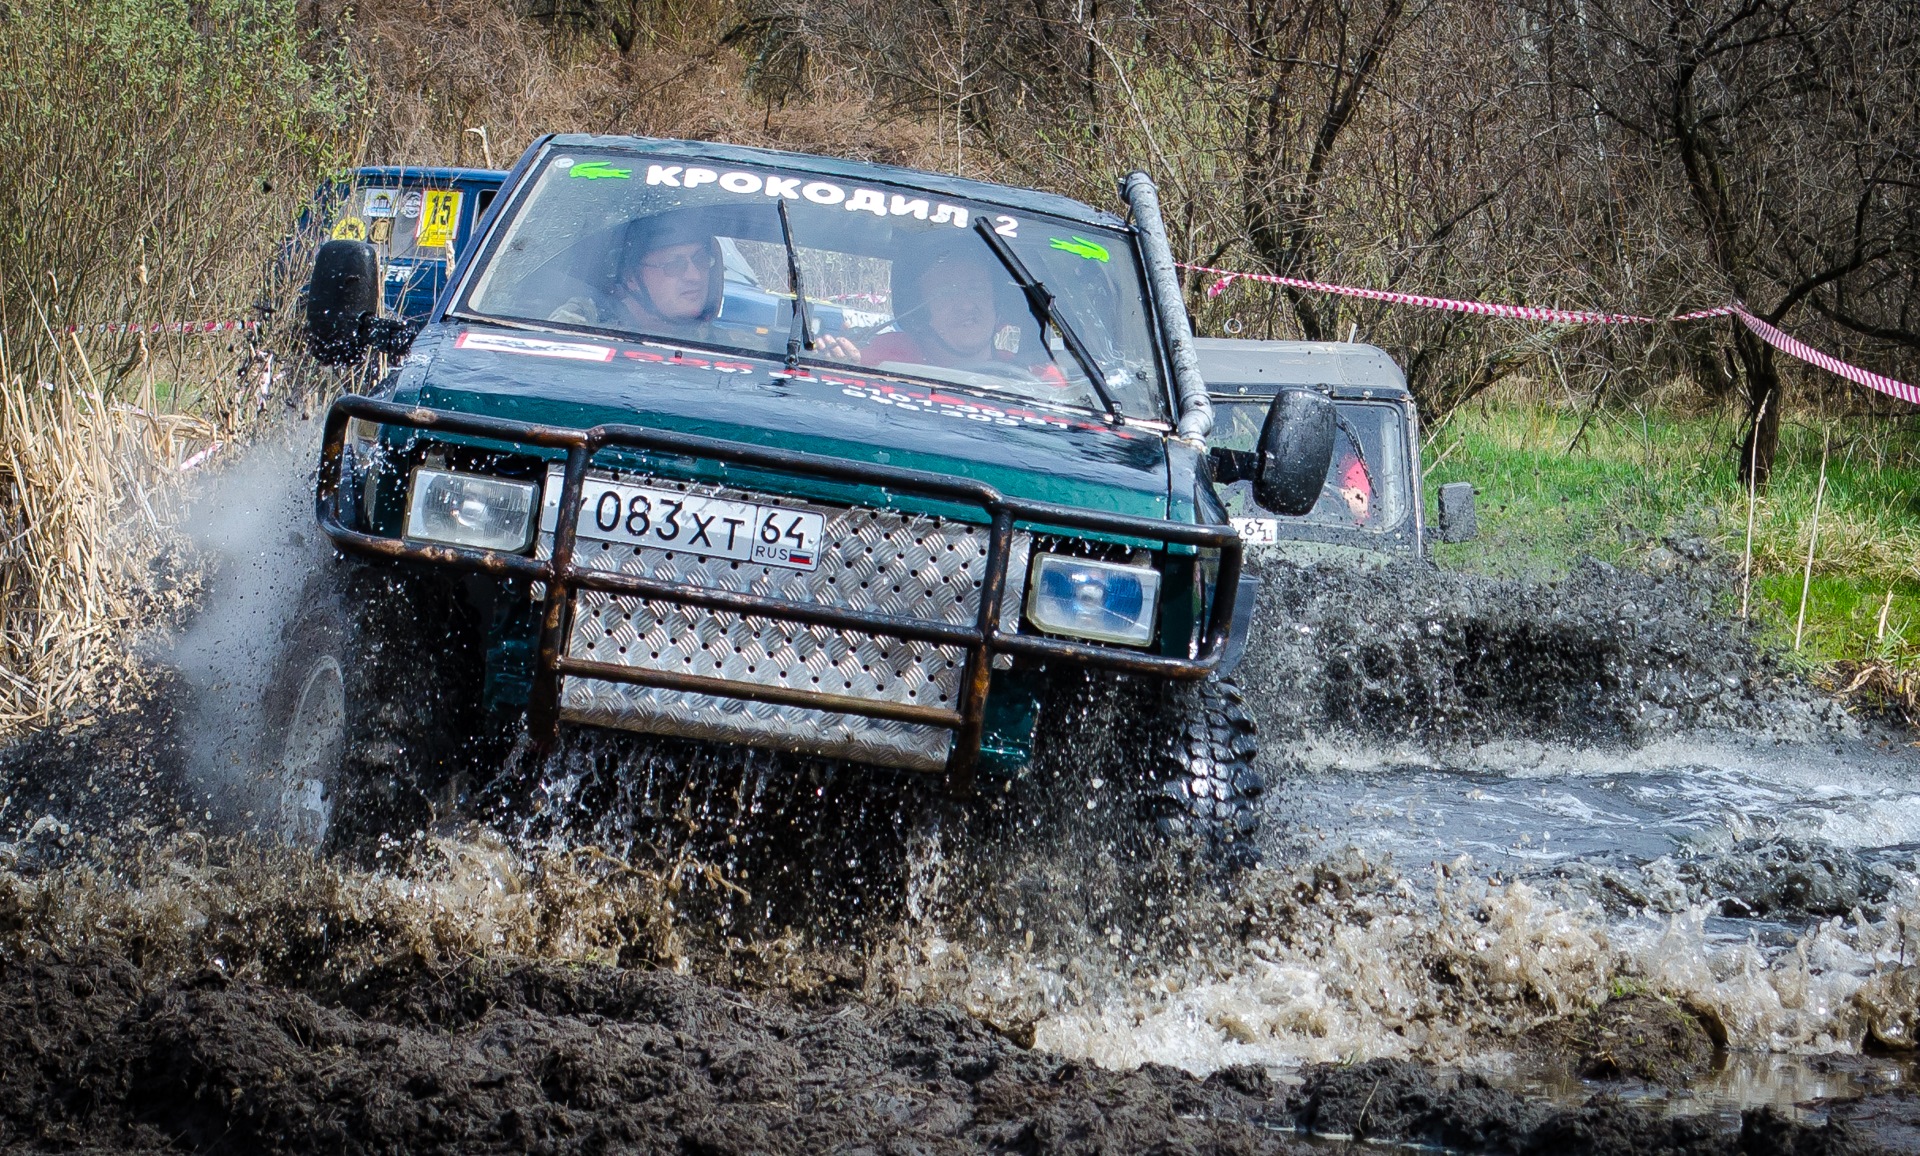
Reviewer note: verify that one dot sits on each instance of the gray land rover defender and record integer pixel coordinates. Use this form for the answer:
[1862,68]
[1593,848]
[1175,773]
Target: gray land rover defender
[1368,511]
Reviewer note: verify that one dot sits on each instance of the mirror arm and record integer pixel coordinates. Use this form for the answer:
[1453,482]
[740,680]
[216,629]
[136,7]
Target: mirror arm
[389,335]
[1230,466]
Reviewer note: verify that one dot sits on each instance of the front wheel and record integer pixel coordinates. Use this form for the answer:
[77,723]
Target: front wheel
[1187,753]
[307,770]
[373,708]
[1200,752]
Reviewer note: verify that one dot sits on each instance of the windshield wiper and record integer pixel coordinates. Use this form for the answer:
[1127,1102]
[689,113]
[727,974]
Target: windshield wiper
[1041,300]
[801,332]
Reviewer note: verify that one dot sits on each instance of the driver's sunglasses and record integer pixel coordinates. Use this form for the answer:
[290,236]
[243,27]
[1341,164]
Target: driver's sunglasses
[682,265]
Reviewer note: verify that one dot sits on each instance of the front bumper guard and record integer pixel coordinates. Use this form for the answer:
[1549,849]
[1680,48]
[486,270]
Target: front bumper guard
[562,576]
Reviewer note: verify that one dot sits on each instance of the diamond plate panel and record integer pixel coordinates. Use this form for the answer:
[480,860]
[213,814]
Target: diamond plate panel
[871,560]
[633,632]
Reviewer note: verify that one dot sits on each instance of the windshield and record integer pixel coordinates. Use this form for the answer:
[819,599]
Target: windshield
[1366,488]
[895,280]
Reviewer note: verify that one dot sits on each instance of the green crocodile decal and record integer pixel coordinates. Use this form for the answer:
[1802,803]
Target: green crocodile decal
[1081,247]
[601,170]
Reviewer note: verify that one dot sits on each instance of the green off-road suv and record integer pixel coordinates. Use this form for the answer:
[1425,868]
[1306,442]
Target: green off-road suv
[770,450]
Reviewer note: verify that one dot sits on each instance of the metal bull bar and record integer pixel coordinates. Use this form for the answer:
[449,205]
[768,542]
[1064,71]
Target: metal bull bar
[562,577]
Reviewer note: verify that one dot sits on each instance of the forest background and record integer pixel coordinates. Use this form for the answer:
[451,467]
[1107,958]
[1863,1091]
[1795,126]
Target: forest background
[1650,156]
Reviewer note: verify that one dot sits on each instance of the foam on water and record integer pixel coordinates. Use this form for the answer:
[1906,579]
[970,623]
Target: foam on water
[1392,974]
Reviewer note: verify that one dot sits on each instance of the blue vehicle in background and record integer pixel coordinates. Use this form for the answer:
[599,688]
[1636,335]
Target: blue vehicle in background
[420,220]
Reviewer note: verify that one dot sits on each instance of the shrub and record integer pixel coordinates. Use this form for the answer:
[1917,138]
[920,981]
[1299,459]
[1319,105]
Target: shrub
[151,154]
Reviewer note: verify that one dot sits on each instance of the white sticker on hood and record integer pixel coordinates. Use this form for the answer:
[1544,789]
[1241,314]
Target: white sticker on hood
[532,347]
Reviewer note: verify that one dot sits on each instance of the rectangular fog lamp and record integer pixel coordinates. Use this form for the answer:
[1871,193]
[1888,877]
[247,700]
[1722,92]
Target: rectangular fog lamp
[471,510]
[1099,601]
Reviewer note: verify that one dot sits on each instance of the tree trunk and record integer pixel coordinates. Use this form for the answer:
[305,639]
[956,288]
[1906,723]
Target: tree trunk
[1764,400]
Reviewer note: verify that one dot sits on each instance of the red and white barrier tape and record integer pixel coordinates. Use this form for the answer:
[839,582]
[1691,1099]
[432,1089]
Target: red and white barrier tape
[166,327]
[1793,347]
[1786,344]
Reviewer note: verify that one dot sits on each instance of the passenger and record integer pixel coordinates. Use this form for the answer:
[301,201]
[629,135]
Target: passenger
[944,314]
[666,280]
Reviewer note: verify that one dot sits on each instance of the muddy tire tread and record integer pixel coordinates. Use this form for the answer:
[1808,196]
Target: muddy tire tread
[1209,788]
[412,692]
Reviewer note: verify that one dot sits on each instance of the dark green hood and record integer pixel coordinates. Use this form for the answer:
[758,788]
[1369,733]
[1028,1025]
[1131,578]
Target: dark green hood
[1023,451]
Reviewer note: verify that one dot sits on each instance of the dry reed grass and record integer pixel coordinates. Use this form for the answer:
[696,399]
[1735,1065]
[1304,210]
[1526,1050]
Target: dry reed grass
[89,490]
[1881,686]
[93,482]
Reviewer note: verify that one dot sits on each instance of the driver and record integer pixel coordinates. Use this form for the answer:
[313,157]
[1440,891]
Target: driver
[666,279]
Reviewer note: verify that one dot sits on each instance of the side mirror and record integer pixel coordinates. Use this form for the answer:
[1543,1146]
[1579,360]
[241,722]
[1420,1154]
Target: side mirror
[1296,448]
[1457,521]
[342,298]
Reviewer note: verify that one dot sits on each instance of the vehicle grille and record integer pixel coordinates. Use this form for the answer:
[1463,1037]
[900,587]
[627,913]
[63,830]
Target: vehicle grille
[871,560]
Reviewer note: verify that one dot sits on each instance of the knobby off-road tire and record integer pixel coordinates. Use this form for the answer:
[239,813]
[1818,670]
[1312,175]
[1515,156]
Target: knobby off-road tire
[1199,754]
[1171,762]
[372,713]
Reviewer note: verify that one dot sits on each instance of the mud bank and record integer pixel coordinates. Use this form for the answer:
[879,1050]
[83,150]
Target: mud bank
[504,1058]
[199,993]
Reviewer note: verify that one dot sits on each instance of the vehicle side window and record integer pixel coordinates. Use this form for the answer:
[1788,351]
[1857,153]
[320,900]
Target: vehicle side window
[1236,424]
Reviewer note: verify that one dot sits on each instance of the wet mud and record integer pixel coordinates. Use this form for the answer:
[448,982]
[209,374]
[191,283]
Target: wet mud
[94,1055]
[122,775]
[1637,1037]
[768,956]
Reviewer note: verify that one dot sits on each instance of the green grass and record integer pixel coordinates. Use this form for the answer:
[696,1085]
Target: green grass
[1639,479]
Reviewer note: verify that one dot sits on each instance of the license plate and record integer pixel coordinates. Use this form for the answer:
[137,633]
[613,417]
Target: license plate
[1258,531]
[670,520]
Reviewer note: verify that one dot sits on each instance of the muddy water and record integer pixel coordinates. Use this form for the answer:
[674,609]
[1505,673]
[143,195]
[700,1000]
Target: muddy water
[1770,889]
[1494,809]
[1513,802]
